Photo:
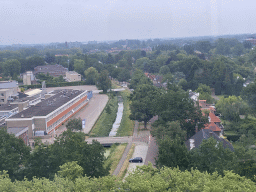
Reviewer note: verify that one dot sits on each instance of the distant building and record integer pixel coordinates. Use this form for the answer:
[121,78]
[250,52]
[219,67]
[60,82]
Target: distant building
[53,70]
[193,95]
[92,42]
[72,76]
[252,41]
[28,78]
[49,114]
[8,90]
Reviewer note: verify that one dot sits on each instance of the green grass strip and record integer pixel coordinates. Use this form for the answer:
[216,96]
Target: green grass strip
[127,125]
[104,124]
[113,159]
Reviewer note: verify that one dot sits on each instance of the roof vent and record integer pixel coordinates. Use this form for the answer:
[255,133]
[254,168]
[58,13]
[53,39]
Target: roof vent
[22,115]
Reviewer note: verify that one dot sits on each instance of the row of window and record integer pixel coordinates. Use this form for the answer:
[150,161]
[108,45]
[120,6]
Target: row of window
[49,128]
[64,107]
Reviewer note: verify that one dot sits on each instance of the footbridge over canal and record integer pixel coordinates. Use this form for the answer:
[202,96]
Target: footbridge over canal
[108,141]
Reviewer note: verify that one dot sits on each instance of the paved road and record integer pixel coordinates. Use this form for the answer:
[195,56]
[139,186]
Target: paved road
[92,111]
[126,151]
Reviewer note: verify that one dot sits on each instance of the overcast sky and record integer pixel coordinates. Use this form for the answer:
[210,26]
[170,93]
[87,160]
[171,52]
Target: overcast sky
[45,21]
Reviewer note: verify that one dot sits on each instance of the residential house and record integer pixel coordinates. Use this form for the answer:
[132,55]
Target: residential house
[53,70]
[196,140]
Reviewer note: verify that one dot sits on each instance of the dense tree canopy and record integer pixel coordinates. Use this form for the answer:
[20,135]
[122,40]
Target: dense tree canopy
[143,103]
[91,76]
[103,81]
[74,124]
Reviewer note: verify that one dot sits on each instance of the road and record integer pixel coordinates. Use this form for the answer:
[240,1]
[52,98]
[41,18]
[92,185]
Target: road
[92,111]
[145,147]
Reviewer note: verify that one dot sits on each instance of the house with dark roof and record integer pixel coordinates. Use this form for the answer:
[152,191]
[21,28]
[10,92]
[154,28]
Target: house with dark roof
[53,70]
[196,140]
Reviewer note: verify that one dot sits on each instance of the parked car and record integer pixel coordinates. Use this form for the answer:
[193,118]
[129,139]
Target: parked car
[136,160]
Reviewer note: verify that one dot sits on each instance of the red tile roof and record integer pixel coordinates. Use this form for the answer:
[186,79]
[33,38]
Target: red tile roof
[212,126]
[213,118]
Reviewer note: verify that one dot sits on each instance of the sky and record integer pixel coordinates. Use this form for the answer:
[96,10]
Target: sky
[46,21]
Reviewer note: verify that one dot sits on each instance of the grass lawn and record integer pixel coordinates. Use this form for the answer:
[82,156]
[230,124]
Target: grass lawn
[123,170]
[104,124]
[116,152]
[114,85]
[127,125]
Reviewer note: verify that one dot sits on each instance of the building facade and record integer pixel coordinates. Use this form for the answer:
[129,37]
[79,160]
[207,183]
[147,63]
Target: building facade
[72,76]
[50,113]
[53,70]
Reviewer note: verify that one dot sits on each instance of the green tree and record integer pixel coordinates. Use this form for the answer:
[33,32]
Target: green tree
[189,49]
[34,61]
[74,124]
[173,153]
[141,62]
[231,107]
[124,75]
[222,47]
[211,156]
[49,57]
[79,66]
[13,154]
[161,60]
[249,95]
[203,46]
[175,105]
[45,161]
[164,130]
[91,75]
[70,170]
[12,67]
[164,70]
[139,78]
[103,82]
[204,93]
[238,49]
[247,44]
[143,103]
[110,59]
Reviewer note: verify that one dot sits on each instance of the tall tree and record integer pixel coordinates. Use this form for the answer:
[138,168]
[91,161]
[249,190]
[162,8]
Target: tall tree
[13,154]
[143,103]
[91,76]
[139,78]
[12,67]
[211,156]
[74,124]
[175,105]
[231,107]
[103,82]
[173,153]
[79,66]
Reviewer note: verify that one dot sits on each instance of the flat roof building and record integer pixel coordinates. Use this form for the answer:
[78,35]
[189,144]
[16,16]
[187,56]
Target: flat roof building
[50,113]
